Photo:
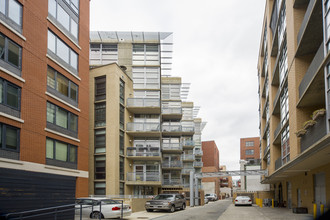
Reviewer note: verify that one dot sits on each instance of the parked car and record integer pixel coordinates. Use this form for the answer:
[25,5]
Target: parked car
[109,208]
[169,202]
[206,200]
[243,200]
[211,196]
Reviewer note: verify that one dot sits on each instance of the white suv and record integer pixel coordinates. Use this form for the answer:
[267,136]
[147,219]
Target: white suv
[211,196]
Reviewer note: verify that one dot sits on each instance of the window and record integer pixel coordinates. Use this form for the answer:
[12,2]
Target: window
[281,26]
[327,23]
[99,144]
[10,94]
[63,51]
[122,92]
[101,54]
[99,188]
[100,114]
[74,5]
[100,167]
[121,188]
[121,117]
[64,16]
[61,84]
[249,143]
[187,113]
[121,168]
[100,88]
[285,145]
[284,100]
[147,94]
[171,91]
[61,117]
[249,152]
[10,52]
[9,139]
[121,143]
[283,63]
[12,10]
[58,150]
[145,54]
[146,77]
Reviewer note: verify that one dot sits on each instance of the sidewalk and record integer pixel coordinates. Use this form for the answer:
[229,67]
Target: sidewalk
[256,213]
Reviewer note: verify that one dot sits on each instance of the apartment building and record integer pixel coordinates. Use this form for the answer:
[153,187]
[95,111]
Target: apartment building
[226,184]
[293,71]
[250,149]
[43,103]
[156,132]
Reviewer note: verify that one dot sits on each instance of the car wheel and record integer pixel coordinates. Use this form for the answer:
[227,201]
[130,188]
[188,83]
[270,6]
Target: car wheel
[96,215]
[150,210]
[172,208]
[183,207]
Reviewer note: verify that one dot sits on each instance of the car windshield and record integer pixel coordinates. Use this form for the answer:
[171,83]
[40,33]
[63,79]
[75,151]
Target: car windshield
[207,194]
[110,201]
[164,197]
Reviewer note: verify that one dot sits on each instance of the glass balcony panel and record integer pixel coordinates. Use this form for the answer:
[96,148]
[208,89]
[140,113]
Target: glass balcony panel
[172,146]
[143,102]
[172,181]
[143,176]
[172,164]
[198,164]
[143,127]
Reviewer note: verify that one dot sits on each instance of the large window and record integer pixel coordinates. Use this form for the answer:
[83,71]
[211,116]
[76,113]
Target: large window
[121,142]
[74,5]
[99,141]
[62,13]
[145,54]
[10,94]
[12,10]
[121,168]
[61,84]
[187,113]
[63,51]
[249,152]
[100,114]
[101,54]
[284,100]
[99,188]
[9,139]
[100,88]
[122,92]
[283,63]
[10,52]
[171,91]
[281,26]
[249,143]
[285,145]
[100,167]
[61,117]
[146,78]
[58,150]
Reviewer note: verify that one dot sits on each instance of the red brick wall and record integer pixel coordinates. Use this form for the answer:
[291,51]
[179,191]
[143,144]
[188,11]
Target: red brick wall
[210,154]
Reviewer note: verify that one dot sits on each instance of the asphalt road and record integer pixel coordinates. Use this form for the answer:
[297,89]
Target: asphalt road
[210,211]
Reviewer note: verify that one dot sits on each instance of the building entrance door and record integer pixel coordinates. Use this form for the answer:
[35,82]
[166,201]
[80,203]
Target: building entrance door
[319,190]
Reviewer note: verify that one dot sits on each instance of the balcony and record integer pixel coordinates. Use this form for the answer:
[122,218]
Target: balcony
[314,134]
[278,163]
[198,164]
[310,35]
[172,148]
[171,129]
[312,88]
[198,153]
[175,165]
[186,171]
[188,157]
[143,105]
[172,113]
[188,144]
[152,153]
[143,178]
[141,129]
[188,130]
[172,182]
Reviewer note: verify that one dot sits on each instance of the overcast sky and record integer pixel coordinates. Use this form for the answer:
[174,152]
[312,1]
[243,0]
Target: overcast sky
[216,44]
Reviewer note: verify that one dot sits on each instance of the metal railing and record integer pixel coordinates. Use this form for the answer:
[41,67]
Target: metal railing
[143,127]
[187,170]
[188,143]
[168,111]
[198,164]
[171,182]
[171,127]
[188,129]
[171,146]
[198,152]
[135,153]
[172,164]
[143,176]
[143,102]
[188,157]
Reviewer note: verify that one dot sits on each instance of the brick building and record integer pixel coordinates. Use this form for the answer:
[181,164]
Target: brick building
[250,148]
[44,48]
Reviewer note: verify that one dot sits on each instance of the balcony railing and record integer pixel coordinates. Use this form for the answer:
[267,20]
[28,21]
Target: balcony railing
[172,146]
[187,170]
[134,152]
[188,129]
[198,153]
[198,164]
[188,143]
[188,157]
[143,127]
[171,182]
[171,127]
[143,176]
[172,111]
[143,102]
[172,164]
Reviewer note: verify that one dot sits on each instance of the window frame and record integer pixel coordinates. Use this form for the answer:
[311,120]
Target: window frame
[3,137]
[68,151]
[5,53]
[8,20]
[69,116]
[4,97]
[97,119]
